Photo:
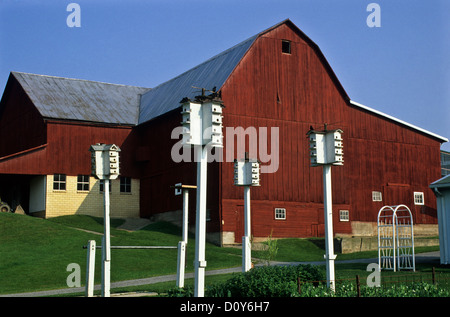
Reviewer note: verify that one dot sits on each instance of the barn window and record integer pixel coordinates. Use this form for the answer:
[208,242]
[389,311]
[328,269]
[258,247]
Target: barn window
[125,184]
[286,46]
[59,182]
[418,198]
[83,183]
[376,196]
[344,215]
[280,213]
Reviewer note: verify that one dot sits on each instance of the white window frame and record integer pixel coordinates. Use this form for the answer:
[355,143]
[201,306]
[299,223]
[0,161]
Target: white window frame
[280,213]
[377,196]
[419,198]
[83,181]
[344,215]
[60,181]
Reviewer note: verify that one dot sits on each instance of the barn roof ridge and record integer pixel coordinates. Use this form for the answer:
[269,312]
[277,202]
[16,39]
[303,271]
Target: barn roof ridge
[81,100]
[77,79]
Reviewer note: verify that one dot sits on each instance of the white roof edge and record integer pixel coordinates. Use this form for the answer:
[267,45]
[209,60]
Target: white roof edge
[443,139]
[441,182]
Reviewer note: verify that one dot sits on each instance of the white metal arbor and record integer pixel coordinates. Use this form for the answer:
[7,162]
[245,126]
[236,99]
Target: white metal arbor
[395,238]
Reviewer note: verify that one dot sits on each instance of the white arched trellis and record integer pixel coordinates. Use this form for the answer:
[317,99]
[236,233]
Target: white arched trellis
[395,238]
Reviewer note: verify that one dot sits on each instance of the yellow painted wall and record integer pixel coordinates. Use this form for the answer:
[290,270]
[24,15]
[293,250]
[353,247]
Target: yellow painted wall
[73,202]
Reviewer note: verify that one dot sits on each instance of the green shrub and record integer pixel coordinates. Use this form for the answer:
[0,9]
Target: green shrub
[266,281]
[349,290]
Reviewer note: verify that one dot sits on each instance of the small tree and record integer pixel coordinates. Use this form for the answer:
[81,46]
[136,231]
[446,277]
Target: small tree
[272,249]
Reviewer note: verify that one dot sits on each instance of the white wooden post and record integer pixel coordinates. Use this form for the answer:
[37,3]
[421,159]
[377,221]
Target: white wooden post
[181,263]
[328,218]
[200,225]
[106,245]
[182,244]
[185,215]
[90,268]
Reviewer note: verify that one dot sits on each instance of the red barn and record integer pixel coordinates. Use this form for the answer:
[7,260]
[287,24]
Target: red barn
[276,81]
[279,78]
[47,125]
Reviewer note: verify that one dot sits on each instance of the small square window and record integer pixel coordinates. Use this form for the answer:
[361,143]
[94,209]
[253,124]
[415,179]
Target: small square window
[376,196]
[125,184]
[280,213]
[419,198]
[83,183]
[344,215]
[59,182]
[286,47]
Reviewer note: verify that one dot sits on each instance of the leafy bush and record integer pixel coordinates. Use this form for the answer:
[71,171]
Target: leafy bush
[281,281]
[349,290]
[266,281]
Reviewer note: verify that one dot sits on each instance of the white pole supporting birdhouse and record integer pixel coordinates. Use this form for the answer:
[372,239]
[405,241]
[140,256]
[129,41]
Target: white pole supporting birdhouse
[106,247]
[105,166]
[326,149]
[202,126]
[246,244]
[247,174]
[200,224]
[328,218]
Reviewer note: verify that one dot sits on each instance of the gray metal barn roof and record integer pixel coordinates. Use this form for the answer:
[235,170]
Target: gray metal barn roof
[212,73]
[443,182]
[83,100]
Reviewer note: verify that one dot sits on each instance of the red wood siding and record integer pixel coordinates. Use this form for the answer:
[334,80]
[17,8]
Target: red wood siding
[292,92]
[69,143]
[21,126]
[67,151]
[159,172]
[302,219]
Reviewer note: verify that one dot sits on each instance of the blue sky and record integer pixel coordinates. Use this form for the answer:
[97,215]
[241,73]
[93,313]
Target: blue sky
[401,68]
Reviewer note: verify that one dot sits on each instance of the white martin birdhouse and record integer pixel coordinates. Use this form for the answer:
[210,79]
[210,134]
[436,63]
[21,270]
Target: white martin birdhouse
[246,173]
[326,147]
[105,161]
[202,122]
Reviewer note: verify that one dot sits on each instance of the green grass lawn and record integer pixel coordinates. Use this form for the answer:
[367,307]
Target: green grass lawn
[34,253]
